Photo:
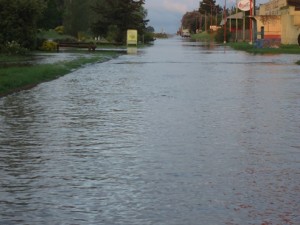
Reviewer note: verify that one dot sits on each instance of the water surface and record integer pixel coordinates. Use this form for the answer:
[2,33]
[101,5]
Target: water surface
[182,133]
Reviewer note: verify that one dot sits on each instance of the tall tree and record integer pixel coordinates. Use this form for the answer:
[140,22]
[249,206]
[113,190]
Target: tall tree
[120,15]
[209,7]
[18,21]
[77,16]
[191,21]
[52,15]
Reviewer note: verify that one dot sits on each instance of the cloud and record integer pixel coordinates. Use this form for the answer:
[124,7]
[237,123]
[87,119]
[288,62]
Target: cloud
[174,6]
[166,14]
[179,6]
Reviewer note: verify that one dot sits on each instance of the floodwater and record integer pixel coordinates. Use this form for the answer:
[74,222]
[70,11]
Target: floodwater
[181,133]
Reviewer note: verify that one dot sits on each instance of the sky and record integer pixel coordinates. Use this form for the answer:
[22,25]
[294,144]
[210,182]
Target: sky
[165,15]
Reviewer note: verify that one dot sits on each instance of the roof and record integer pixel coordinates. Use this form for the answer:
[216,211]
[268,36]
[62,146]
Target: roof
[238,15]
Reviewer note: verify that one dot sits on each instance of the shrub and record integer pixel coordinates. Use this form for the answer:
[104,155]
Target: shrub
[13,48]
[220,35]
[60,29]
[49,46]
[148,37]
[113,33]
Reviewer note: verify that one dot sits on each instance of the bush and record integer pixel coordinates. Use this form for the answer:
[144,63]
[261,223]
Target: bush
[113,33]
[220,35]
[148,37]
[49,46]
[13,48]
[60,29]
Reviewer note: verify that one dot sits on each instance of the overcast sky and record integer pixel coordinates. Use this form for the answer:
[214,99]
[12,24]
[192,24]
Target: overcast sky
[165,15]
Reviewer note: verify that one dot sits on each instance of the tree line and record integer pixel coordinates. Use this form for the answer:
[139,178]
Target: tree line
[208,14]
[20,20]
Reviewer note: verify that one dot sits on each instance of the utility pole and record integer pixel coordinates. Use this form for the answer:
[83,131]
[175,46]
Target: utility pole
[236,21]
[225,23]
[251,14]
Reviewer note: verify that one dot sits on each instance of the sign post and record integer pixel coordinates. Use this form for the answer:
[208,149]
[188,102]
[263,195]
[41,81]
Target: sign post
[247,5]
[132,41]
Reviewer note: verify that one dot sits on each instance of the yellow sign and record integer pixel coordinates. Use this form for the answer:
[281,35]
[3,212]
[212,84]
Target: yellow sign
[132,37]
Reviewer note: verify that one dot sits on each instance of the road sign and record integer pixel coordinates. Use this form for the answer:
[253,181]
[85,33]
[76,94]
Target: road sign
[244,5]
[132,37]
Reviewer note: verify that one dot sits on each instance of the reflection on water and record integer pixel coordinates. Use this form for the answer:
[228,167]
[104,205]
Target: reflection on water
[177,134]
[132,50]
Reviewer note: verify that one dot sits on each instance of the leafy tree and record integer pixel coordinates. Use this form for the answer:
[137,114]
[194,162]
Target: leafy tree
[18,21]
[150,29]
[191,20]
[209,7]
[77,16]
[119,15]
[220,35]
[52,15]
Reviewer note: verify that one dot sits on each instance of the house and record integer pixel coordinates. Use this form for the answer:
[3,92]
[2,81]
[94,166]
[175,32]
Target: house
[280,19]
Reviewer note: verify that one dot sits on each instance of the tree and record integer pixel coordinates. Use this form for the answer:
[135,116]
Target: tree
[150,29]
[77,16]
[191,21]
[118,16]
[18,21]
[209,7]
[52,15]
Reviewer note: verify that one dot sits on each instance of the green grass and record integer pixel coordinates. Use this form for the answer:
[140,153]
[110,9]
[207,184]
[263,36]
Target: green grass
[282,49]
[204,36]
[16,78]
[12,58]
[244,46]
[53,35]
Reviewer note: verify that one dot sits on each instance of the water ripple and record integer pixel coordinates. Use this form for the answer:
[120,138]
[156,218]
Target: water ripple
[178,134]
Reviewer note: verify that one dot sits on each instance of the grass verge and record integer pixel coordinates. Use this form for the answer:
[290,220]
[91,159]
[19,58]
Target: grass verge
[16,78]
[282,49]
[244,46]
[204,36]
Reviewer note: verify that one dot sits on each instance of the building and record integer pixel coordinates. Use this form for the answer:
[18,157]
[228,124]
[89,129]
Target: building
[272,7]
[280,19]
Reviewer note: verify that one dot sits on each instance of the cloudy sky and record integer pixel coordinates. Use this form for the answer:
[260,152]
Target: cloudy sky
[165,15]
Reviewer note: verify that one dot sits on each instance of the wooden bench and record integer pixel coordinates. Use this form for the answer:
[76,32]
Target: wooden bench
[89,46]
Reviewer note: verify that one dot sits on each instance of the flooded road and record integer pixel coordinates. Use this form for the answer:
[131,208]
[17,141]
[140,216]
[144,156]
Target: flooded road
[182,133]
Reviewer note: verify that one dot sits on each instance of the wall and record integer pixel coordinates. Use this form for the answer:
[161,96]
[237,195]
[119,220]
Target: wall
[280,21]
[290,20]
[271,24]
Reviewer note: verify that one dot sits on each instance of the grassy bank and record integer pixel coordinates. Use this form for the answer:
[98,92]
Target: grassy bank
[203,36]
[282,49]
[15,78]
[244,46]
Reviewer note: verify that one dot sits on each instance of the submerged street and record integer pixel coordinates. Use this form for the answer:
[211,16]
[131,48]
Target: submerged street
[181,133]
